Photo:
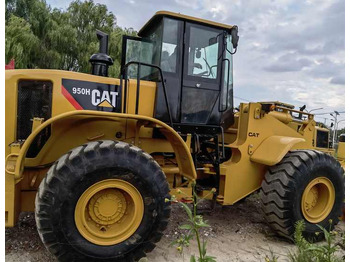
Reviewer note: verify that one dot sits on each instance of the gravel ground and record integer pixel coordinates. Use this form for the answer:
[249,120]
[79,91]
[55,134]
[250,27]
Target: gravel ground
[236,233]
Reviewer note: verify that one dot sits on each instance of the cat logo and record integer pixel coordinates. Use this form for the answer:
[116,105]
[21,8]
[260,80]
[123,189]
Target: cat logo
[252,134]
[104,98]
[85,95]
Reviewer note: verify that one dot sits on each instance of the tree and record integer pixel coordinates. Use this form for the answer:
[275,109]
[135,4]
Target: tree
[20,42]
[38,37]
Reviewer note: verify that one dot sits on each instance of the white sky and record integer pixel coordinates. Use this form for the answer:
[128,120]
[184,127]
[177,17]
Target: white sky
[292,51]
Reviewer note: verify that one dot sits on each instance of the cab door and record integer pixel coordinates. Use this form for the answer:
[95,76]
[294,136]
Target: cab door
[171,65]
[201,74]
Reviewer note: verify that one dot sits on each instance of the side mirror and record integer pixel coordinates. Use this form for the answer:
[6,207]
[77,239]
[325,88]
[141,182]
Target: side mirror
[332,124]
[234,36]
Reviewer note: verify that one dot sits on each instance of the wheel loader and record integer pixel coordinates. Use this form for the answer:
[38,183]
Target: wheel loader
[96,157]
[341,150]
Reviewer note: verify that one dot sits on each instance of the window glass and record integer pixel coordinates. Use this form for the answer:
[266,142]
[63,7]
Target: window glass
[227,86]
[155,36]
[197,105]
[322,139]
[139,51]
[203,53]
[147,51]
[169,46]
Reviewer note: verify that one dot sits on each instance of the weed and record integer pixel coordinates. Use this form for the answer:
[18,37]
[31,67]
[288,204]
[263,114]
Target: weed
[192,228]
[271,257]
[310,252]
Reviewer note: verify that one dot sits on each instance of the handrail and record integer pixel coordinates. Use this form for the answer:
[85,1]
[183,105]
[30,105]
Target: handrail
[293,110]
[139,64]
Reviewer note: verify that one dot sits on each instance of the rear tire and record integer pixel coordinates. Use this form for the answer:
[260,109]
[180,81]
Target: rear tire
[76,173]
[306,185]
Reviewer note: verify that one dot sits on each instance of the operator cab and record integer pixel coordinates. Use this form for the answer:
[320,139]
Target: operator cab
[195,57]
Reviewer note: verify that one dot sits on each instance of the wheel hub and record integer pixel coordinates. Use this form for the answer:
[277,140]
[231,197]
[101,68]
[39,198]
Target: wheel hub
[107,206]
[318,200]
[109,212]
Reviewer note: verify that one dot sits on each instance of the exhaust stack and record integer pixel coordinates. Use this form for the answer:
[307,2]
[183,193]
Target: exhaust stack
[101,61]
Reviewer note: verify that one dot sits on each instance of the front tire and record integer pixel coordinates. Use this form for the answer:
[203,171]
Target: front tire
[306,185]
[103,201]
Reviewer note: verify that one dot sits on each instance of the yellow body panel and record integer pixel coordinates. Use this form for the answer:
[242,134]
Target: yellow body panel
[277,146]
[341,153]
[341,150]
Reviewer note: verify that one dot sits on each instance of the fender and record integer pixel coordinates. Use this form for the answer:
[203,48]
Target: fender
[182,152]
[273,149]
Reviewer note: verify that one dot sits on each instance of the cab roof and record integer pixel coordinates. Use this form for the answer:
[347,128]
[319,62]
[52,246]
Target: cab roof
[157,17]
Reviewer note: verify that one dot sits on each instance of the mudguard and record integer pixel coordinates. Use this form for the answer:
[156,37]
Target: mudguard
[180,148]
[273,149]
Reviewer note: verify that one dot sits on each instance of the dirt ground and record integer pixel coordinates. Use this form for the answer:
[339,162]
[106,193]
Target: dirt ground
[237,233]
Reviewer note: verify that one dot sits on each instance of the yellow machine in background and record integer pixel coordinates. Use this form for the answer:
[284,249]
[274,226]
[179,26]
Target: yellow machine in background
[96,157]
[321,140]
[341,150]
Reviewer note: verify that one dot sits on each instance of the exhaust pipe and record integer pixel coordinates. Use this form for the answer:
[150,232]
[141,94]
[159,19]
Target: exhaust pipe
[101,61]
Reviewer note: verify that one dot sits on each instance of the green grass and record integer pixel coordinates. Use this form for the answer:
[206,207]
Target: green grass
[312,252]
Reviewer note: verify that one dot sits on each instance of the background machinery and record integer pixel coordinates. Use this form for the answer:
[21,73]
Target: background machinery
[95,157]
[341,150]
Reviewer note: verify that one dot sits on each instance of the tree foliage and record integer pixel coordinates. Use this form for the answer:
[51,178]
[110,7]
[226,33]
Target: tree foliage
[40,37]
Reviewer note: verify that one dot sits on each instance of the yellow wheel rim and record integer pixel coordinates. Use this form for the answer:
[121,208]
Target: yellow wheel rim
[109,212]
[318,200]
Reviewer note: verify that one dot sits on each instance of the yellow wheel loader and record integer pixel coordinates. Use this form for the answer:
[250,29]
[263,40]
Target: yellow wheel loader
[341,150]
[95,157]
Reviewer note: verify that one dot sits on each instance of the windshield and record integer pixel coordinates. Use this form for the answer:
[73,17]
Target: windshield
[203,52]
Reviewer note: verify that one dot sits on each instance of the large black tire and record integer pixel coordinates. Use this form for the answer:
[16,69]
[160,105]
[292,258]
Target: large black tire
[285,183]
[76,171]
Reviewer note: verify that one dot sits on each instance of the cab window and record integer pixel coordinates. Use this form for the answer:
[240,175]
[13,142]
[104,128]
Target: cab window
[203,52]
[170,51]
[146,50]
[227,84]
[322,139]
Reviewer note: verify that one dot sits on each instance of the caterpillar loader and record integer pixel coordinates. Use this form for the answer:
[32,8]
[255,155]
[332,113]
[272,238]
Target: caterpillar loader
[95,157]
[341,150]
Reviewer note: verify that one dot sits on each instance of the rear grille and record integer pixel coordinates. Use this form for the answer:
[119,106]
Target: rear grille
[34,100]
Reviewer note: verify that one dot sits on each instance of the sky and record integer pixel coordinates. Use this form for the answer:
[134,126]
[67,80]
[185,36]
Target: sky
[290,51]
